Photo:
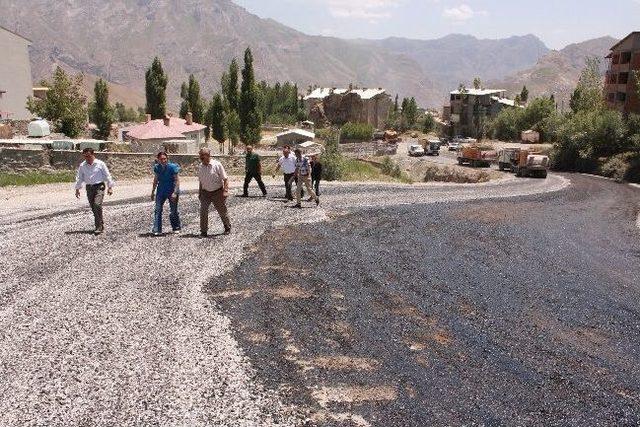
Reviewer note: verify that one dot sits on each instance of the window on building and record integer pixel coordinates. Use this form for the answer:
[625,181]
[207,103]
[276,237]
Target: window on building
[611,97]
[621,97]
[613,79]
[625,57]
[623,78]
[615,59]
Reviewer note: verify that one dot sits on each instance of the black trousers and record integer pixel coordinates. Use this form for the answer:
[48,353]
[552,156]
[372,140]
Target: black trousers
[95,195]
[247,179]
[316,185]
[287,185]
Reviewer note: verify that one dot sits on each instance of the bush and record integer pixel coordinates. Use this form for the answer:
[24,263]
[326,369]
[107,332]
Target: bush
[357,132]
[332,159]
[623,167]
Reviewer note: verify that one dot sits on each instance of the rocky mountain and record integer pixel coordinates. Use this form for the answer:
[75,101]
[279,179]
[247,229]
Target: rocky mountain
[118,39]
[557,72]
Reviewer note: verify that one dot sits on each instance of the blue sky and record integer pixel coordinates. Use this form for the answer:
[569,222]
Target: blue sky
[556,22]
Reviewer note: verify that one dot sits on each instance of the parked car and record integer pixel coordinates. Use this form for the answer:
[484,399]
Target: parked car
[416,150]
[454,145]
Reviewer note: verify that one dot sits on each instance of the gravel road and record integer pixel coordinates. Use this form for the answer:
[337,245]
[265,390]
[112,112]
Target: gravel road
[282,321]
[490,312]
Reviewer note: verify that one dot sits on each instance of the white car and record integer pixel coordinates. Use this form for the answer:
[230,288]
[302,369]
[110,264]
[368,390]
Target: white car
[454,145]
[416,150]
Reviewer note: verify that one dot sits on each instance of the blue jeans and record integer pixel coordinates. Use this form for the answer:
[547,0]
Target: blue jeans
[174,217]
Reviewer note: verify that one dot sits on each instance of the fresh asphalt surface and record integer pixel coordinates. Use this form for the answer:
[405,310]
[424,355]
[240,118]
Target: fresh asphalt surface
[510,303]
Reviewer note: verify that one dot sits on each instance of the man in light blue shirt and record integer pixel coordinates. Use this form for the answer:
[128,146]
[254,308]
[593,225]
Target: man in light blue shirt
[94,174]
[167,183]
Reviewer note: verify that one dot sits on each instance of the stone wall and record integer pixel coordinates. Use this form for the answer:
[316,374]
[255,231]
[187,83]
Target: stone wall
[121,165]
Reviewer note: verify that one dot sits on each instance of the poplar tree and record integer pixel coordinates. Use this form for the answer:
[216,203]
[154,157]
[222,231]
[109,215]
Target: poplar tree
[102,113]
[216,119]
[248,113]
[155,88]
[191,100]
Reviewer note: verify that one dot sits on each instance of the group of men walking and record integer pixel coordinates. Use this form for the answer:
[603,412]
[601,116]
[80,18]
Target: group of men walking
[213,185]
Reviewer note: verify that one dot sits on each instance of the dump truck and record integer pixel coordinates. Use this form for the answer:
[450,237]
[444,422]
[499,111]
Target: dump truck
[392,136]
[474,156]
[523,162]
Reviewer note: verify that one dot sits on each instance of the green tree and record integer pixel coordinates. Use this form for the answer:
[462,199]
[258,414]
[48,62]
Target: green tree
[233,126]
[216,118]
[124,114]
[477,83]
[429,124]
[524,95]
[64,105]
[410,111]
[248,113]
[102,113]
[191,100]
[395,105]
[155,88]
[229,84]
[588,93]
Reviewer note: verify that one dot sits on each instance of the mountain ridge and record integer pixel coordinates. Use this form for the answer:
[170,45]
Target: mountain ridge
[201,37]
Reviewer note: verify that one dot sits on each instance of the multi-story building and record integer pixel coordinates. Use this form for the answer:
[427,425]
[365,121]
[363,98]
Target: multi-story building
[621,91]
[15,75]
[470,109]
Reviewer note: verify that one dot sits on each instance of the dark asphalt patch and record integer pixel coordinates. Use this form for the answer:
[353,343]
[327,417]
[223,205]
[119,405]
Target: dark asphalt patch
[512,312]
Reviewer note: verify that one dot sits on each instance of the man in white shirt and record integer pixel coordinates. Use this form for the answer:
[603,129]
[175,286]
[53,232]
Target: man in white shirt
[94,174]
[214,188]
[287,163]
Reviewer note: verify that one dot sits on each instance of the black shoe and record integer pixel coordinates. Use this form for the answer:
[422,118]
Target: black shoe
[98,231]
[244,195]
[309,199]
[298,206]
[203,234]
[227,231]
[264,194]
[317,201]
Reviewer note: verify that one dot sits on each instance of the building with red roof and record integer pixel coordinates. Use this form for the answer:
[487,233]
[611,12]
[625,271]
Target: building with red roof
[156,135]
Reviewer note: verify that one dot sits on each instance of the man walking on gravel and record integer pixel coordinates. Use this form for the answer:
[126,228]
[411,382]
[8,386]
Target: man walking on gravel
[303,175]
[214,188]
[94,174]
[316,173]
[288,165]
[167,183]
[253,169]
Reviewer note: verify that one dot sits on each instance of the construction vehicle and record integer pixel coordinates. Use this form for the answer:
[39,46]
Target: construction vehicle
[523,162]
[474,156]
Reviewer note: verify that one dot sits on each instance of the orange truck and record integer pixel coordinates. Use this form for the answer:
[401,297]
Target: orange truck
[523,162]
[474,156]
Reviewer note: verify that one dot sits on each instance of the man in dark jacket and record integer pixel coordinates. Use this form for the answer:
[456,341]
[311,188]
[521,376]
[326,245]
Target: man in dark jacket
[316,173]
[253,169]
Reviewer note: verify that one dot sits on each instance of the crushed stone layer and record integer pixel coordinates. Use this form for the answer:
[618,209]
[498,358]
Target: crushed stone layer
[116,329]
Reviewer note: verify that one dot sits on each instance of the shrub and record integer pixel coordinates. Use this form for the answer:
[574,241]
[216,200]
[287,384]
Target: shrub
[332,159]
[623,167]
[356,131]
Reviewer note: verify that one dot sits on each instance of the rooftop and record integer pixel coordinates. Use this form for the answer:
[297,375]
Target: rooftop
[301,132]
[323,92]
[156,129]
[479,92]
[634,33]
[505,101]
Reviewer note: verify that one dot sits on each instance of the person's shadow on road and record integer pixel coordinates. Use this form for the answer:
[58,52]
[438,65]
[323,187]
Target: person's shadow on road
[74,232]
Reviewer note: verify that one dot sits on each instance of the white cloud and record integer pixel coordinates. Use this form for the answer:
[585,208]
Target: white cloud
[462,13]
[371,10]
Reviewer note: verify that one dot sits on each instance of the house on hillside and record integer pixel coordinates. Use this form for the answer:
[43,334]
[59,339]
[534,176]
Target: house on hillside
[170,134]
[339,106]
[620,87]
[15,75]
[470,109]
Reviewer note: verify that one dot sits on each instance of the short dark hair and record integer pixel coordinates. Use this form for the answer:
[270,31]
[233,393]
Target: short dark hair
[297,151]
[162,153]
[287,146]
[88,150]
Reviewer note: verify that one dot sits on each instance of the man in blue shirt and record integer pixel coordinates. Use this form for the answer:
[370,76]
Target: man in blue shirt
[167,182]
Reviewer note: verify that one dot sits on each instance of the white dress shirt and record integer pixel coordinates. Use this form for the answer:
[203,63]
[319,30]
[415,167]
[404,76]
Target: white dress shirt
[94,173]
[288,164]
[212,176]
